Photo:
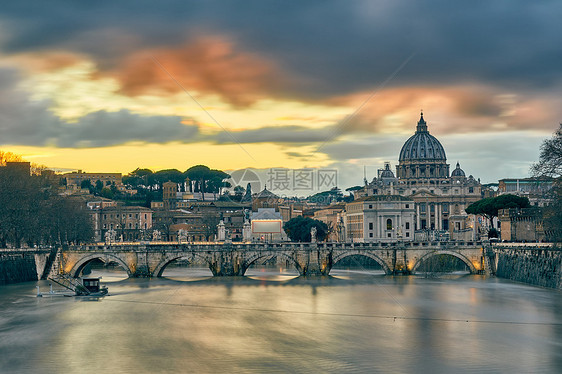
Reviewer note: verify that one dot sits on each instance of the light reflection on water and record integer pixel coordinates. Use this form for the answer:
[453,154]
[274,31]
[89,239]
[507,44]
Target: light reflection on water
[271,321]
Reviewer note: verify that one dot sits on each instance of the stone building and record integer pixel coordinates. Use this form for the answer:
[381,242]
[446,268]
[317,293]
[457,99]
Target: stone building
[75,178]
[521,225]
[130,223]
[535,189]
[267,225]
[169,195]
[265,199]
[422,174]
[18,168]
[382,218]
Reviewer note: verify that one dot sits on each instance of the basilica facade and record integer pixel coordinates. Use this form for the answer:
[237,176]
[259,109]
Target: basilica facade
[440,196]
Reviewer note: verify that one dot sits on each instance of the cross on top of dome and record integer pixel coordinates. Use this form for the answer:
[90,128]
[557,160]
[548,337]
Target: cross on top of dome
[422,125]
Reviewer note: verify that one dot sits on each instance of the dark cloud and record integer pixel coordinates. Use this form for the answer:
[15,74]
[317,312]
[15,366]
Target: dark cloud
[102,128]
[331,47]
[27,122]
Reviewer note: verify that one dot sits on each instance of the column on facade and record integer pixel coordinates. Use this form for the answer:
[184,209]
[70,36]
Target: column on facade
[439,220]
[418,216]
[377,226]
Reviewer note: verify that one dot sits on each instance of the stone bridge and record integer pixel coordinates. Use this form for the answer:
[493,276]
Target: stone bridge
[233,259]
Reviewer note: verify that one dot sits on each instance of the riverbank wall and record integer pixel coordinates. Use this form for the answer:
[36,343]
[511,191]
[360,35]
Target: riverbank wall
[539,264]
[22,265]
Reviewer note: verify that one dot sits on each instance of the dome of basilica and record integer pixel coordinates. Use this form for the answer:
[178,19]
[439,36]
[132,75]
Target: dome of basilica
[386,172]
[458,172]
[422,146]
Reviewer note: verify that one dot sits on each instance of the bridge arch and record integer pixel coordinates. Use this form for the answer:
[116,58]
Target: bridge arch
[461,257]
[269,255]
[159,269]
[80,264]
[340,256]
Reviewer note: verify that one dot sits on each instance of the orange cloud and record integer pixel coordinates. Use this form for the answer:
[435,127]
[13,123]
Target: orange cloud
[46,61]
[211,65]
[460,109]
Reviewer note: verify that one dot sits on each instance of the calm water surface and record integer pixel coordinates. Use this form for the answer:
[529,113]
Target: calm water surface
[271,321]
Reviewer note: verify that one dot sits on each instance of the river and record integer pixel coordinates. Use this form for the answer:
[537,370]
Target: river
[273,322]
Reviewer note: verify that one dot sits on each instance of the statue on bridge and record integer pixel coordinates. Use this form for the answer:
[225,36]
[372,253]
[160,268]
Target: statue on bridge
[313,234]
[221,231]
[156,235]
[110,236]
[182,236]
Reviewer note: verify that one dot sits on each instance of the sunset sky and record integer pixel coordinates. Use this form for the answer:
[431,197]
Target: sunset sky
[112,86]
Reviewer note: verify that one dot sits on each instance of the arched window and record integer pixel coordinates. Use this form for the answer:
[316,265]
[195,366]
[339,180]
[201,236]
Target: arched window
[389,224]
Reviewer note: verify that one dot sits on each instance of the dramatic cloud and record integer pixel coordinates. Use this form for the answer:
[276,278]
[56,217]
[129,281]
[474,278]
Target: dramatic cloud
[207,66]
[27,122]
[335,47]
[463,109]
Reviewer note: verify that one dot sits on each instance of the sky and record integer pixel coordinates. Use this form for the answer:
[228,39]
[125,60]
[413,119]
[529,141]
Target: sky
[110,86]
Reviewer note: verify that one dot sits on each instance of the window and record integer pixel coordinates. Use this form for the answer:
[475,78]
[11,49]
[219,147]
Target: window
[370,235]
[423,224]
[130,215]
[407,206]
[407,225]
[137,215]
[445,208]
[370,225]
[470,189]
[407,234]
[389,224]
[370,206]
[105,216]
[422,207]
[145,216]
[389,235]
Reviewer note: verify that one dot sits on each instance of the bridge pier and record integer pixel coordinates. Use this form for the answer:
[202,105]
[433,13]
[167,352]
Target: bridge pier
[400,262]
[227,263]
[315,262]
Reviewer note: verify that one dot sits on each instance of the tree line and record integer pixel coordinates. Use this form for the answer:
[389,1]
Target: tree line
[550,166]
[33,214]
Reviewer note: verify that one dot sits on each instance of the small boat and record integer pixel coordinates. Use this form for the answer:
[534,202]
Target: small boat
[93,287]
[75,287]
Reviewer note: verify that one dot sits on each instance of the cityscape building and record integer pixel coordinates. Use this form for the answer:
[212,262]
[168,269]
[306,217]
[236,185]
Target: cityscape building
[440,198]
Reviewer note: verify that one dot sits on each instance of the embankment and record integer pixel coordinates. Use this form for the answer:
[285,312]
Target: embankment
[534,264]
